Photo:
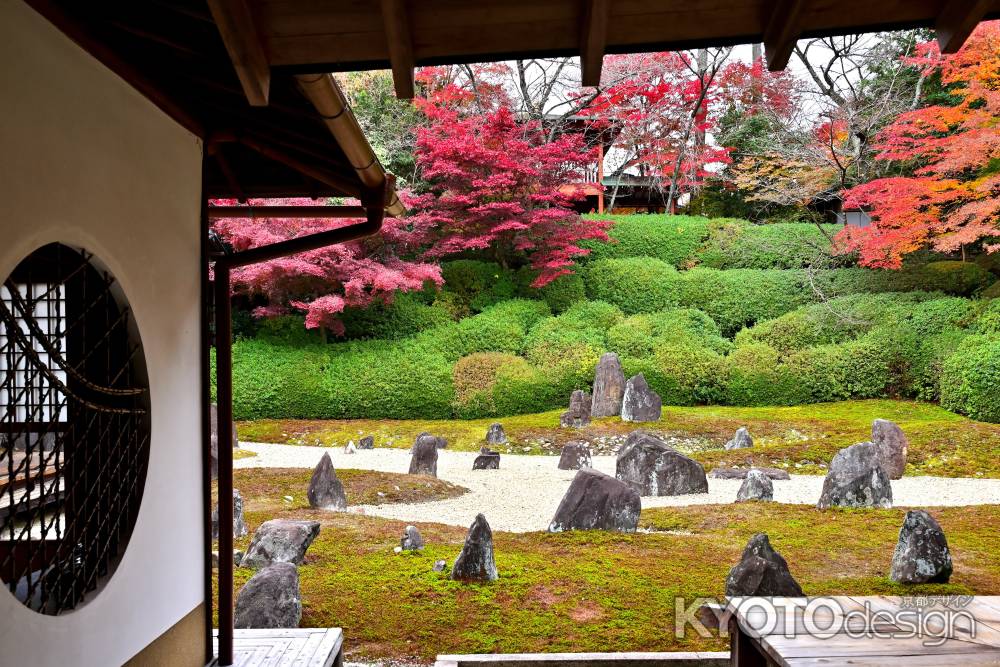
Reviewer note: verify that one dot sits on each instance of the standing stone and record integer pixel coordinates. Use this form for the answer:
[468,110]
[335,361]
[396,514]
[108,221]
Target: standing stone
[640,403]
[595,501]
[326,491]
[741,440]
[756,486]
[761,572]
[891,445]
[440,443]
[367,442]
[495,435]
[741,473]
[424,455]
[239,521]
[270,599]
[280,541]
[412,540]
[922,555]
[213,413]
[653,468]
[609,387]
[575,455]
[578,414]
[856,479]
[487,460]
[475,562]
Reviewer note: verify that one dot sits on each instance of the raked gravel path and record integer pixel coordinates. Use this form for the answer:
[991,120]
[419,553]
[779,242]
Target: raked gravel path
[524,493]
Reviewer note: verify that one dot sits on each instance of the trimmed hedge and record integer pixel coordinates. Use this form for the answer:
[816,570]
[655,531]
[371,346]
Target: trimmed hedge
[640,336]
[673,239]
[988,321]
[634,284]
[738,245]
[405,316]
[970,379]
[477,285]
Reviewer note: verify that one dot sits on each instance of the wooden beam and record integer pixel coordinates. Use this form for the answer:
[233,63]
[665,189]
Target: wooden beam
[397,37]
[781,33]
[236,25]
[957,21]
[593,41]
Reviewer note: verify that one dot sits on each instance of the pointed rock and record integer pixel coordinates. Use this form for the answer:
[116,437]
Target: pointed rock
[280,541]
[475,562]
[640,403]
[856,479]
[761,572]
[412,540]
[741,440]
[595,501]
[239,521]
[653,468]
[756,486]
[891,445]
[424,455]
[495,435]
[609,387]
[270,599]
[575,455]
[578,414]
[326,491]
[922,555]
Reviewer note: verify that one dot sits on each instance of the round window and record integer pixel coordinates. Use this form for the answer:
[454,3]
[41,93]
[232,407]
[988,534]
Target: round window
[74,428]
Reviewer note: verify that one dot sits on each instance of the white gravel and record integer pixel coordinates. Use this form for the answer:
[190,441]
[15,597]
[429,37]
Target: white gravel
[523,495]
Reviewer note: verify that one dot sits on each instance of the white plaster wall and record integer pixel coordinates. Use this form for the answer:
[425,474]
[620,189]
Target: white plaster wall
[86,160]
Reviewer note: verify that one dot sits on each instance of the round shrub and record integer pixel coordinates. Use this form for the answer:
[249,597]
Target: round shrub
[559,294]
[988,321]
[673,239]
[771,246]
[640,335]
[287,330]
[636,284]
[597,315]
[753,375]
[682,373]
[855,369]
[474,378]
[954,277]
[477,284]
[991,292]
[970,379]
[405,316]
[523,389]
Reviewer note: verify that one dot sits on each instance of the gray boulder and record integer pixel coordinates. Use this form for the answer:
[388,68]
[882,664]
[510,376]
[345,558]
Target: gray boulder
[609,387]
[424,455]
[440,443]
[741,440]
[575,455]
[653,468]
[487,460]
[761,572]
[495,435]
[922,555]
[640,403]
[475,562]
[756,486]
[367,442]
[280,541]
[239,521]
[270,599]
[326,492]
[578,414]
[595,501]
[741,473]
[856,479]
[412,540]
[891,445]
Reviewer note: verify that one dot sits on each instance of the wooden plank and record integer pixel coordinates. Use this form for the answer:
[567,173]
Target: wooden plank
[239,34]
[400,46]
[594,34]
[957,21]
[781,33]
[286,647]
[967,660]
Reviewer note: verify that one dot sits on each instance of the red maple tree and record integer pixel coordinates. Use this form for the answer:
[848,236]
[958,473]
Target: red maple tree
[948,194]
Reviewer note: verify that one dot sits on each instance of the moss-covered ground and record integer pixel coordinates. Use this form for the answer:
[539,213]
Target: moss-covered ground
[800,438]
[596,591]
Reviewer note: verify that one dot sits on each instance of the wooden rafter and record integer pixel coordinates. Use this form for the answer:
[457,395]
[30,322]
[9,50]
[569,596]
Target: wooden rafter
[593,39]
[781,33]
[236,25]
[397,36]
[957,21]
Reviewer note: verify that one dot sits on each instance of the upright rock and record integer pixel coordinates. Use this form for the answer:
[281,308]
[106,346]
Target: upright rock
[761,572]
[495,435]
[856,479]
[280,541]
[922,555]
[756,486]
[475,562]
[640,403]
[487,460]
[609,387]
[239,521]
[270,599]
[575,455]
[741,440]
[412,540]
[595,501]
[741,473]
[424,455]
[326,491]
[653,468]
[891,445]
[578,414]
[367,442]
